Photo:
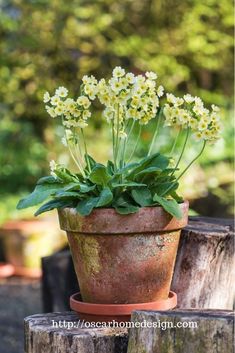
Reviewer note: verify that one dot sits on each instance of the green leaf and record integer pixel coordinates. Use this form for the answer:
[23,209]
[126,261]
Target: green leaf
[99,175]
[124,170]
[123,200]
[50,205]
[156,160]
[126,210]
[110,167]
[150,170]
[105,197]
[142,196]
[175,196]
[86,188]
[68,194]
[72,186]
[85,207]
[65,175]
[92,162]
[83,188]
[127,185]
[170,206]
[124,204]
[40,194]
[47,180]
[165,188]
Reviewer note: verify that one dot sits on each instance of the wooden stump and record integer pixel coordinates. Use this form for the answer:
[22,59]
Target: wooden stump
[214,332]
[49,333]
[205,265]
[59,281]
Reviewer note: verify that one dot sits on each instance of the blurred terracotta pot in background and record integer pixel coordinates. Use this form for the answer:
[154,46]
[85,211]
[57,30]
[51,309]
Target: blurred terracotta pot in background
[122,259]
[25,242]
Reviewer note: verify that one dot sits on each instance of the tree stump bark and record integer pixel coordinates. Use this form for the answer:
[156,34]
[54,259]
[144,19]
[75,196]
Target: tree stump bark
[42,335]
[214,332]
[205,265]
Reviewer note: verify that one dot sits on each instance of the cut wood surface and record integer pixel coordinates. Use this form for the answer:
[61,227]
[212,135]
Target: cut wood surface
[213,334]
[205,265]
[42,337]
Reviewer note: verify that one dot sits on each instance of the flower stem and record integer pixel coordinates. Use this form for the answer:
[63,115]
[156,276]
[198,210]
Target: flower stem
[175,142]
[136,144]
[124,145]
[117,139]
[199,154]
[131,129]
[182,152]
[113,139]
[75,160]
[155,133]
[188,166]
[86,154]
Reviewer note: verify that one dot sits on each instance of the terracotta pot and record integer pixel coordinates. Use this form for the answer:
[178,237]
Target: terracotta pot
[123,258]
[118,312]
[6,270]
[25,242]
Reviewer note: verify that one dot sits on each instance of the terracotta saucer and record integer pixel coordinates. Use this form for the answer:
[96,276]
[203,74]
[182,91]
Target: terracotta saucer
[118,312]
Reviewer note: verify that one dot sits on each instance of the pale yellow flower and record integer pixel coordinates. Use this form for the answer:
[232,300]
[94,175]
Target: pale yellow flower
[69,104]
[202,125]
[130,78]
[91,91]
[198,135]
[46,97]
[53,165]
[84,101]
[59,110]
[61,92]
[81,123]
[86,114]
[51,111]
[55,100]
[215,108]
[188,98]
[118,72]
[160,91]
[151,75]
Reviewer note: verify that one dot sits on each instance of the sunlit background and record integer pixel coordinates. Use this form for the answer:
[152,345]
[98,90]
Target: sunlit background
[44,44]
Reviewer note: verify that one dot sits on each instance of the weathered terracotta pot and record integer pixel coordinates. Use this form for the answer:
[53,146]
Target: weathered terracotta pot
[122,259]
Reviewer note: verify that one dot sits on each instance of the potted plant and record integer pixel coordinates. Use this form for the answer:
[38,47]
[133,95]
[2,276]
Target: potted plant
[123,218]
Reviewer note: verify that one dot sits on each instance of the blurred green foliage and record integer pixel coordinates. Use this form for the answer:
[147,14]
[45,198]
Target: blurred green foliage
[46,43]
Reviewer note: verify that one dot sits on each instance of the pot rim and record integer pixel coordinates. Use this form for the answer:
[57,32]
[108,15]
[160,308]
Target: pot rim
[121,309]
[108,221]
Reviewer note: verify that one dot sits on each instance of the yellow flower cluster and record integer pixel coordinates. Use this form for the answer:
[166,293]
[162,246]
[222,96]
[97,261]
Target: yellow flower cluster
[190,112]
[74,113]
[129,96]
